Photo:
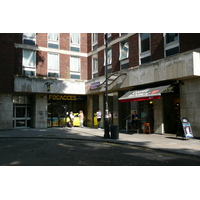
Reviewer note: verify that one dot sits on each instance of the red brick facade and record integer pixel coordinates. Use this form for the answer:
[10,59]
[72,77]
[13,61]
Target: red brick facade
[11,57]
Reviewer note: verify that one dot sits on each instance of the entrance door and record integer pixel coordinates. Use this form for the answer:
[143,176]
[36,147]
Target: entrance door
[21,116]
[171,113]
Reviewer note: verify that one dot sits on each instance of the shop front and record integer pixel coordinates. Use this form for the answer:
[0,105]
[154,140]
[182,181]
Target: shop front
[158,106]
[60,106]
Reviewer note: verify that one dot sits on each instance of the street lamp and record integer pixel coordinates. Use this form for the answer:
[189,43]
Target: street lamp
[106,119]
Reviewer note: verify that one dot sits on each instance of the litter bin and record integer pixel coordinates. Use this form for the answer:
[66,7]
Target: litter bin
[114,131]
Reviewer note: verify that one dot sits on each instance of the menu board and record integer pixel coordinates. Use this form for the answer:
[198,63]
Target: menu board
[184,128]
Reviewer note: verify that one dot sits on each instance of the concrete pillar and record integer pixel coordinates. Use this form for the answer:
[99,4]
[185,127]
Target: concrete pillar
[39,111]
[6,111]
[190,104]
[90,115]
[158,116]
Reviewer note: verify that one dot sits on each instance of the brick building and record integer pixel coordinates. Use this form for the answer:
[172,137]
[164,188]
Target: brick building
[44,75]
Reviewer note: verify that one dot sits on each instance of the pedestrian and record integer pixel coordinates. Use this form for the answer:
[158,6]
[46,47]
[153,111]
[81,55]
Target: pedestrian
[71,119]
[99,115]
[135,120]
[81,117]
[110,118]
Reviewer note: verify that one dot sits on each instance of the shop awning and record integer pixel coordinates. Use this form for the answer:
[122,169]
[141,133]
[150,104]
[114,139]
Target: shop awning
[144,94]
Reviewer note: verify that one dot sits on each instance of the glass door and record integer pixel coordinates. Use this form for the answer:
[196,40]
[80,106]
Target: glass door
[21,116]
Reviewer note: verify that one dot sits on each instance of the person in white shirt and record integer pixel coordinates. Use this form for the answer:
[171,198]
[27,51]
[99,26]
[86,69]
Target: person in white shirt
[98,115]
[71,116]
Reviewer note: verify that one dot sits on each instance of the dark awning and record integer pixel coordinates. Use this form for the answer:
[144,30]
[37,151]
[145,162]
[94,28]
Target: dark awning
[144,94]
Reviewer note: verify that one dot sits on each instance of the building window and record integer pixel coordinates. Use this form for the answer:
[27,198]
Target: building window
[171,44]
[29,38]
[95,66]
[109,57]
[75,42]
[74,67]
[145,54]
[53,40]
[171,37]
[53,65]
[124,50]
[29,62]
[124,54]
[94,41]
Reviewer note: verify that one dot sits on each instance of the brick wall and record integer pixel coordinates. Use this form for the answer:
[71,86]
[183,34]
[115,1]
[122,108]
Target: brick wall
[157,46]
[7,62]
[101,70]
[64,41]
[133,51]
[189,41]
[115,58]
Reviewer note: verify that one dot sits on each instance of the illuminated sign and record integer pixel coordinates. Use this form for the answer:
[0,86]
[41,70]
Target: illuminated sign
[59,97]
[64,97]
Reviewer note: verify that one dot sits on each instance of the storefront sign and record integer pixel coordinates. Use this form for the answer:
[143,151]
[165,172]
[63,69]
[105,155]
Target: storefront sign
[184,128]
[94,85]
[64,97]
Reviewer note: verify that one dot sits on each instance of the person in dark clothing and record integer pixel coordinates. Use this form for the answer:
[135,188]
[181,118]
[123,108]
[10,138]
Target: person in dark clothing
[135,120]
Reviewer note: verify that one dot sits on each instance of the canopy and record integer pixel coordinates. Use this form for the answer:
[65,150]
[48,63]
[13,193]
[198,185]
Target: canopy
[144,94]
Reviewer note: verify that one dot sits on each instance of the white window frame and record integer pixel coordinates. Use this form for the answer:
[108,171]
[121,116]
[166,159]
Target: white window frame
[170,45]
[145,53]
[31,38]
[121,47]
[94,64]
[29,67]
[49,41]
[58,64]
[109,62]
[94,41]
[75,44]
[75,72]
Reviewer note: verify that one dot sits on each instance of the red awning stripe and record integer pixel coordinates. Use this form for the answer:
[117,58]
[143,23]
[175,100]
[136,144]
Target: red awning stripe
[140,99]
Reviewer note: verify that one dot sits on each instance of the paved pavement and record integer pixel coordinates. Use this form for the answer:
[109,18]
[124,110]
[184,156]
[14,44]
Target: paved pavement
[166,142]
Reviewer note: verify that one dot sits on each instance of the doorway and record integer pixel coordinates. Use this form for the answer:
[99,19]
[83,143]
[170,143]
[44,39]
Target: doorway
[171,113]
[21,116]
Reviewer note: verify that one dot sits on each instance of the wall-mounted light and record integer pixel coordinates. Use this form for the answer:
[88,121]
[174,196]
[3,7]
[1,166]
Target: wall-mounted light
[48,86]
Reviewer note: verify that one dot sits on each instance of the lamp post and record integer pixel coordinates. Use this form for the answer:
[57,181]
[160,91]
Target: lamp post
[106,119]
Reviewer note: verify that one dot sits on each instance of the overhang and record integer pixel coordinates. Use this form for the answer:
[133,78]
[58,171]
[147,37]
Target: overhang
[144,94]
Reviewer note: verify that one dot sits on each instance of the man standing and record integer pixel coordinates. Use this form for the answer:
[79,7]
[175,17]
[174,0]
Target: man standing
[98,114]
[135,120]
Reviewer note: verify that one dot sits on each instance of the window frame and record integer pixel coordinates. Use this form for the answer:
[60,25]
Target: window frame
[146,53]
[78,72]
[53,71]
[121,47]
[53,42]
[170,45]
[31,39]
[94,70]
[26,68]
[74,45]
